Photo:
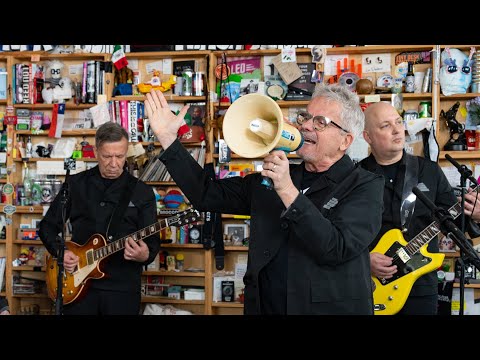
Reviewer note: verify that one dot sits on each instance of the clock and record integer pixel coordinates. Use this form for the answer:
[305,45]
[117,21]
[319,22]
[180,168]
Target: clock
[194,233]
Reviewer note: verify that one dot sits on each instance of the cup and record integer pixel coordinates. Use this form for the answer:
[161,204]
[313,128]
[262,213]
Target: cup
[419,76]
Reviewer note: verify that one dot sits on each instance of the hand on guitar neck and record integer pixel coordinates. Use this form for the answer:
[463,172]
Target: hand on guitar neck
[133,252]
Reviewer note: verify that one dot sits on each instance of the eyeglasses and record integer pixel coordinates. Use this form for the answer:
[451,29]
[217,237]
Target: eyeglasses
[320,122]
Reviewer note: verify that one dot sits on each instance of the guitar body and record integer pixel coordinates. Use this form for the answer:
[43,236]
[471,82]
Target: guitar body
[391,294]
[88,268]
[95,250]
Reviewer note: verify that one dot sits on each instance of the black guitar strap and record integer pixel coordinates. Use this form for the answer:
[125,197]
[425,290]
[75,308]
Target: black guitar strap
[410,180]
[117,215]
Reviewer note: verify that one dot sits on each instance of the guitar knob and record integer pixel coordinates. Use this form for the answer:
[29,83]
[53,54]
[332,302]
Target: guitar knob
[70,292]
[395,287]
[390,298]
[64,284]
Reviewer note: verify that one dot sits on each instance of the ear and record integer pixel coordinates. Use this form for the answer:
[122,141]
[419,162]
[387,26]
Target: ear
[346,142]
[366,137]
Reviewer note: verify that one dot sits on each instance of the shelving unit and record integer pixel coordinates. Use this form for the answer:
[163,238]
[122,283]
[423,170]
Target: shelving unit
[195,255]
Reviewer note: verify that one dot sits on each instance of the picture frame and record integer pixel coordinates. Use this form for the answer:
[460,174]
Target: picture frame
[238,232]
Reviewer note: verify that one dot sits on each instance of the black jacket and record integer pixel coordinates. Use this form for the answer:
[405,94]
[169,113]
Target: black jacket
[89,209]
[439,191]
[328,258]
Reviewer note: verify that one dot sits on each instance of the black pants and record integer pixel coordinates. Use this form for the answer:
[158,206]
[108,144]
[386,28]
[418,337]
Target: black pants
[104,302]
[420,305]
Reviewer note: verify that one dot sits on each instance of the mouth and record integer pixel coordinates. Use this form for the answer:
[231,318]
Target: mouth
[308,140]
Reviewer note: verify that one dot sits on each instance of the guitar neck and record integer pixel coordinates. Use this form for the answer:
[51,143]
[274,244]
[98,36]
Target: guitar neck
[432,230]
[119,244]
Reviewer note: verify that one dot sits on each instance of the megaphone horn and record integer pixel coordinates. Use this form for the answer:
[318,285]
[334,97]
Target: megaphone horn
[253,126]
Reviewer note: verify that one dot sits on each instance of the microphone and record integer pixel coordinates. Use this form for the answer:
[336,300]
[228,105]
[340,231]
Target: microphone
[462,169]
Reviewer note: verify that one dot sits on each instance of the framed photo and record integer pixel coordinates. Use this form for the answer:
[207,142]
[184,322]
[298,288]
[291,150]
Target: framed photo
[238,232]
[36,223]
[446,244]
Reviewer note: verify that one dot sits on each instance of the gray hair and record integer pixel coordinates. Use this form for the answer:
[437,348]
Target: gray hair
[351,113]
[109,132]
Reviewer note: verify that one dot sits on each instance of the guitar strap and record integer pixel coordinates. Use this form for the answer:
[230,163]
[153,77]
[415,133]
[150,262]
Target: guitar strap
[117,215]
[411,179]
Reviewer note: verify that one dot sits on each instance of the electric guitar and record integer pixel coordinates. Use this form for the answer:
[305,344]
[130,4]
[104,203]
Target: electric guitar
[412,260]
[95,250]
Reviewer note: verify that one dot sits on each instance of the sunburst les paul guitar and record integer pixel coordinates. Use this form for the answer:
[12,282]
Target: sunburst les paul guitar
[412,260]
[95,250]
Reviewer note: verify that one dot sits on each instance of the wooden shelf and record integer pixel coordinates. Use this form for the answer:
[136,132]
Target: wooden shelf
[68,106]
[236,248]
[459,96]
[27,56]
[166,300]
[472,286]
[222,304]
[3,181]
[28,242]
[182,246]
[28,268]
[3,241]
[3,101]
[473,154]
[41,296]
[174,273]
[236,156]
[77,132]
[168,97]
[238,217]
[451,254]
[34,209]
[35,159]
[160,183]
[3,293]
[167,54]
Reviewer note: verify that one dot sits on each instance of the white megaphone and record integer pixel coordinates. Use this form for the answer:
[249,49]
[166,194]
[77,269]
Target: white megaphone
[253,126]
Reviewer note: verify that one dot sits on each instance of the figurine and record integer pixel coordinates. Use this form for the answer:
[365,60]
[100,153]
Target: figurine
[458,139]
[156,83]
[60,87]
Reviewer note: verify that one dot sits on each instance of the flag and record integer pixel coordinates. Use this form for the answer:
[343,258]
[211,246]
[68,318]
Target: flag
[118,57]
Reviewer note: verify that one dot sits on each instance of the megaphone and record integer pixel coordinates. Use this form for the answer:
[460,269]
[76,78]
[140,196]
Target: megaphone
[253,126]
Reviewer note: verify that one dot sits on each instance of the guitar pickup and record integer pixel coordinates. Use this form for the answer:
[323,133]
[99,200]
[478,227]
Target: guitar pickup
[402,254]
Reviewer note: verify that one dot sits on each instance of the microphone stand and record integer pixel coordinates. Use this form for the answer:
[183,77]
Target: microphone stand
[64,193]
[463,185]
[448,227]
[465,173]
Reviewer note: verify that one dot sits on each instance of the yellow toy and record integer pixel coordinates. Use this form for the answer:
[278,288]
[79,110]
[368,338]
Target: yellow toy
[156,83]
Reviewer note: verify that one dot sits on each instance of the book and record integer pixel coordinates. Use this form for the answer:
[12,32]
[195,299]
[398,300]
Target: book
[303,87]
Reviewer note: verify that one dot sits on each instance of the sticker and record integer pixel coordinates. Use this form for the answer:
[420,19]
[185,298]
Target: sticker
[8,189]
[9,209]
[8,221]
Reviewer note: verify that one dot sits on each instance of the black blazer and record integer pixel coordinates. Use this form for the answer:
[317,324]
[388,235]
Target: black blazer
[328,257]
[89,210]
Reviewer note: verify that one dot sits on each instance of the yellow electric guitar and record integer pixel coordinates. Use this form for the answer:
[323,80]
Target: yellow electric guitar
[95,250]
[412,260]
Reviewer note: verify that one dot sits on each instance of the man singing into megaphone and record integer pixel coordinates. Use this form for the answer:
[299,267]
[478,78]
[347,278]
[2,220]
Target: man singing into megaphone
[309,236]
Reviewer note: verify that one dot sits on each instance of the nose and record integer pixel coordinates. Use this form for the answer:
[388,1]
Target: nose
[307,125]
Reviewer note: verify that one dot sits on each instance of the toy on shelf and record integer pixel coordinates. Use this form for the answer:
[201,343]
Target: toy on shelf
[60,87]
[156,83]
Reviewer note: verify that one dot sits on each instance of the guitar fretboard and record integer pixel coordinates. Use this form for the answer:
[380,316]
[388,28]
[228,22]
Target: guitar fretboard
[431,231]
[119,244]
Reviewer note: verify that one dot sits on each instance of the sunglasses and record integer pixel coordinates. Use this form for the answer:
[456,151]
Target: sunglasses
[320,122]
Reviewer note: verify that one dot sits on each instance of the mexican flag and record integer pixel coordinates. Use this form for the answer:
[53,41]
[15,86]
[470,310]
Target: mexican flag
[118,57]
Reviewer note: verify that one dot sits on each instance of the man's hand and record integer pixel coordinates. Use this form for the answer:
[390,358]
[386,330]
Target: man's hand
[381,266]
[136,252]
[70,261]
[163,122]
[471,197]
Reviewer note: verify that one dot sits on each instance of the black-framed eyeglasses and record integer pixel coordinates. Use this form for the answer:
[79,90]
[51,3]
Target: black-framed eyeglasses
[320,122]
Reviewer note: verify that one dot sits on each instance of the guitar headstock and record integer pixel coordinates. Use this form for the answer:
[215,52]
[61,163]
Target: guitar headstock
[188,216]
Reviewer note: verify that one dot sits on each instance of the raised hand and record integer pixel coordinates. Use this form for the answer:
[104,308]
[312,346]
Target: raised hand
[163,122]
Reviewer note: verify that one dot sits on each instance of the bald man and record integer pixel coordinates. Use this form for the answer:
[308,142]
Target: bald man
[385,133]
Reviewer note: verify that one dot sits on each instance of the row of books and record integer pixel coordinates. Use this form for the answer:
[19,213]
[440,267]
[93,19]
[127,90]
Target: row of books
[30,79]
[155,170]
[128,113]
